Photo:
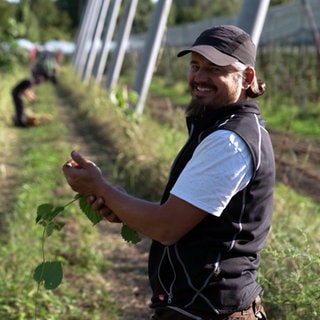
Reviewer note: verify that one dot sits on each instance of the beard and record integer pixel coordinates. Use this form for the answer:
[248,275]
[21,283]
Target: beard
[199,108]
[196,108]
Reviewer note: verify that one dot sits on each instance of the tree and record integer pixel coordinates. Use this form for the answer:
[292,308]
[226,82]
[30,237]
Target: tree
[143,16]
[8,26]
[42,21]
[74,9]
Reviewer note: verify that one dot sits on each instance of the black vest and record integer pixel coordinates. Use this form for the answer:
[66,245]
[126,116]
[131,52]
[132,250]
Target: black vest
[213,268]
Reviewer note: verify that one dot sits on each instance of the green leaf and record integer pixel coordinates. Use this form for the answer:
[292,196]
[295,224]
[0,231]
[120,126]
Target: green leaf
[43,211]
[94,216]
[56,211]
[49,229]
[47,212]
[130,235]
[50,273]
[53,225]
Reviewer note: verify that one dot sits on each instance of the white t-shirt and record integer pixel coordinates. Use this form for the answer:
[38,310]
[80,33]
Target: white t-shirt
[221,166]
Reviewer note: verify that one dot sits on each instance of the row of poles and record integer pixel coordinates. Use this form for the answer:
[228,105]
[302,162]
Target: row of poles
[95,40]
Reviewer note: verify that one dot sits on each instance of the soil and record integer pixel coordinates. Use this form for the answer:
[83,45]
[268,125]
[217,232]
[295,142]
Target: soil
[297,163]
[298,167]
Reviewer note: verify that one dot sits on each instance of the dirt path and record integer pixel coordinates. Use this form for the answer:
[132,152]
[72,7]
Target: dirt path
[298,164]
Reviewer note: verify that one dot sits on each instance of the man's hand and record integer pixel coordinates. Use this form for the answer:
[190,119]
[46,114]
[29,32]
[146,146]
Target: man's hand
[30,95]
[82,175]
[99,205]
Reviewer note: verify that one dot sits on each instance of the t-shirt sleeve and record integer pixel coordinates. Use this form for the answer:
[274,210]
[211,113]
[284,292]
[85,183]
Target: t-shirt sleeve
[220,167]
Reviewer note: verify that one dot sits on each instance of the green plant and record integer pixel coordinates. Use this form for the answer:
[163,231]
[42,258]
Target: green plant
[50,272]
[125,100]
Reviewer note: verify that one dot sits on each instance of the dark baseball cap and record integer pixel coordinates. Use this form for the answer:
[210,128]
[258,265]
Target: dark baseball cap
[224,45]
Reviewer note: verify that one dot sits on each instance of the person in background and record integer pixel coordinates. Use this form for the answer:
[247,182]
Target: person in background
[212,222]
[45,66]
[23,90]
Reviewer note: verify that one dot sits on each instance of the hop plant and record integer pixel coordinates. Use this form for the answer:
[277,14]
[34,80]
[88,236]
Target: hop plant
[50,273]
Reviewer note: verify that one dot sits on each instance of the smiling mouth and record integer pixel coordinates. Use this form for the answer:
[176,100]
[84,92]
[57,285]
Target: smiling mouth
[203,89]
[201,92]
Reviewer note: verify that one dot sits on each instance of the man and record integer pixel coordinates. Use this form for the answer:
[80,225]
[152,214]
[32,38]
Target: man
[216,210]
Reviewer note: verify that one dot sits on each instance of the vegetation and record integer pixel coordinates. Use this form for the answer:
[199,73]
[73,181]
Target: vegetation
[291,259]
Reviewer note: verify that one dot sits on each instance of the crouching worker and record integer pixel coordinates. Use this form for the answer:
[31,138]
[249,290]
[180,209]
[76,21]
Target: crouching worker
[23,90]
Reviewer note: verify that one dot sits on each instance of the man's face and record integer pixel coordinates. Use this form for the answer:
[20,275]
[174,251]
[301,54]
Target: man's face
[212,86]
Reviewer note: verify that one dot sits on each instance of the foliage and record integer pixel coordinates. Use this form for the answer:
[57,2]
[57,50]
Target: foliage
[291,102]
[143,15]
[196,10]
[49,273]
[10,56]
[8,26]
[290,260]
[54,23]
[74,10]
[26,17]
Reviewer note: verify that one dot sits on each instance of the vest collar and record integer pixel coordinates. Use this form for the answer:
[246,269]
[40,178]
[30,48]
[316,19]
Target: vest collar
[209,117]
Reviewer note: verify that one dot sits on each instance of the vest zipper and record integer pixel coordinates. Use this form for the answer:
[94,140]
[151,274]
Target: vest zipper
[166,253]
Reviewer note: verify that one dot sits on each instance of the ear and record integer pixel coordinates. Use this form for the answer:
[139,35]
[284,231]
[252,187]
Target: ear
[248,76]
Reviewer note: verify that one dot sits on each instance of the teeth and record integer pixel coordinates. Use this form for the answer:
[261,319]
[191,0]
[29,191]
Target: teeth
[202,89]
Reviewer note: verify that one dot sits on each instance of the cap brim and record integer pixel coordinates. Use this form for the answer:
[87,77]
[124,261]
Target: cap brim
[210,53]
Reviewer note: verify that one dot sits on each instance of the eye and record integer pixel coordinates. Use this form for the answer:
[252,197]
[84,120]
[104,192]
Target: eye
[214,69]
[217,70]
[194,67]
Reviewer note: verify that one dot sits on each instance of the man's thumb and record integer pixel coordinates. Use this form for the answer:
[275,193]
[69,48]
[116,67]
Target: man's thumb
[75,155]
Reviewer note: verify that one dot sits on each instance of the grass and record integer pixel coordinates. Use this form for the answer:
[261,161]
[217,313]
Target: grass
[297,120]
[118,140]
